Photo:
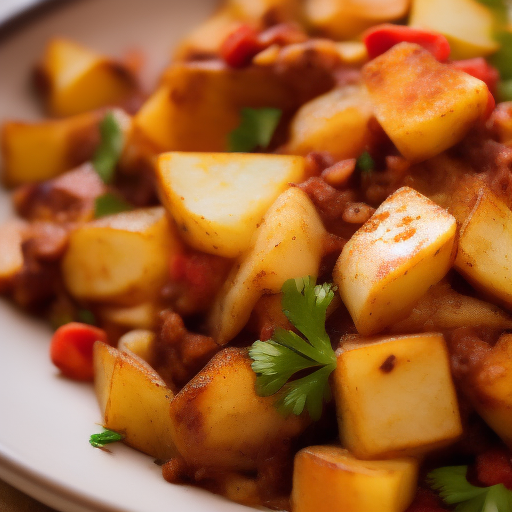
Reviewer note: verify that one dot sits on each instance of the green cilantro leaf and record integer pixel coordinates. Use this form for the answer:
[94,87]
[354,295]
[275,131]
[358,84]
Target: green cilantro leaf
[108,204]
[108,152]
[276,361]
[454,488]
[86,316]
[365,162]
[105,437]
[257,126]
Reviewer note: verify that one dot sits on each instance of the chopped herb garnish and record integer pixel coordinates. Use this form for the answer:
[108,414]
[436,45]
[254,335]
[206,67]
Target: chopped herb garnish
[105,437]
[108,204]
[504,90]
[454,488]
[111,145]
[257,126]
[86,316]
[276,361]
[365,162]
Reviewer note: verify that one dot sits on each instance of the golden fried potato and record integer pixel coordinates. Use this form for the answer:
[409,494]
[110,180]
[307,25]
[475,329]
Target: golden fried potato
[393,259]
[328,478]
[287,245]
[219,199]
[395,396]
[74,79]
[134,401]
[220,421]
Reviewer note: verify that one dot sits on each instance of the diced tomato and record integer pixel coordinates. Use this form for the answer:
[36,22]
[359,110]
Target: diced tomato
[426,501]
[198,277]
[71,349]
[494,466]
[381,38]
[240,46]
[481,69]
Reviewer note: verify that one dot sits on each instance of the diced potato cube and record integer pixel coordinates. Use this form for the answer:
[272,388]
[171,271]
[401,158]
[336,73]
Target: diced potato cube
[424,106]
[260,11]
[394,258]
[207,38]
[491,388]
[11,253]
[336,122]
[288,244]
[220,421]
[329,478]
[140,316]
[40,151]
[442,308]
[467,24]
[348,18]
[484,254]
[121,258]
[75,79]
[219,199]
[134,401]
[199,104]
[138,342]
[395,396]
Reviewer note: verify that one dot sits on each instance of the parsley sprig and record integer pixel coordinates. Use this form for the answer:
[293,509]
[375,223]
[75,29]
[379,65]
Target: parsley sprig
[454,488]
[108,152]
[276,361]
[105,437]
[256,128]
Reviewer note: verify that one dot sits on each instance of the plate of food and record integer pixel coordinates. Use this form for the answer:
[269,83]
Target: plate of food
[257,254]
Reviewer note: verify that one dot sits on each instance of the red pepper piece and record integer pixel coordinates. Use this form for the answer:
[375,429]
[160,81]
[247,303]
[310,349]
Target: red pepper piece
[426,501]
[71,349]
[381,38]
[481,69]
[494,466]
[240,46]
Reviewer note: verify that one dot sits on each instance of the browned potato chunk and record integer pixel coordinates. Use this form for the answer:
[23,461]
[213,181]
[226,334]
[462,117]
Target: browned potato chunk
[121,258]
[336,122]
[424,106]
[40,151]
[484,254]
[134,401]
[393,259]
[329,478]
[288,244]
[75,79]
[199,104]
[348,18]
[490,387]
[395,396]
[220,421]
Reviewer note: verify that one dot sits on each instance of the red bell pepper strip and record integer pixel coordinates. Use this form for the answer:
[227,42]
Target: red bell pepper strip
[381,38]
[481,69]
[71,349]
[240,46]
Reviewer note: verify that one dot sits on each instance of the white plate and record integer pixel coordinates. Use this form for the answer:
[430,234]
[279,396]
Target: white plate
[45,421]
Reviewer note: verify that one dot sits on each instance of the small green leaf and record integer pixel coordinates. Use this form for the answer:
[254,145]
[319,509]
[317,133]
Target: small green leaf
[454,488]
[109,204]
[111,145]
[86,316]
[504,90]
[276,361]
[105,437]
[365,162]
[257,126]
